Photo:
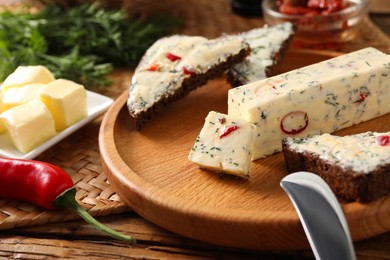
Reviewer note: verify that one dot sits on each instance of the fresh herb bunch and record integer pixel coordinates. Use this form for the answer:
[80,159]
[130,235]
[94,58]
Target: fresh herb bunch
[81,43]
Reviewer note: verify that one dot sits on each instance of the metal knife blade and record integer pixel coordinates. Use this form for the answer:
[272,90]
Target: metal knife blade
[321,216]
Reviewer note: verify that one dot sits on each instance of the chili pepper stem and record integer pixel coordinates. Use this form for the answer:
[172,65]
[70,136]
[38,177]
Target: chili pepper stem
[67,199]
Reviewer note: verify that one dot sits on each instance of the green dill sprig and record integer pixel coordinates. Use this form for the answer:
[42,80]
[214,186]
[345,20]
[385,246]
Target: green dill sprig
[81,43]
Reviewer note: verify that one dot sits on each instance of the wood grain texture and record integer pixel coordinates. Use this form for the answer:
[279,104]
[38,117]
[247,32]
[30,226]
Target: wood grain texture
[150,172]
[79,240]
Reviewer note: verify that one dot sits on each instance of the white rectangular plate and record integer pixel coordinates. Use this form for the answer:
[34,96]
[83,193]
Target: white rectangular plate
[96,105]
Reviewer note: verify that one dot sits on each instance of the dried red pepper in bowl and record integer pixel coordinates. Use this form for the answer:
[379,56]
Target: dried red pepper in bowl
[321,24]
[47,186]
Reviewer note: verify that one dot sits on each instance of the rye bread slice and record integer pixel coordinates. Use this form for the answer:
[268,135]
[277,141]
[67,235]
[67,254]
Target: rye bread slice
[185,83]
[347,183]
[269,45]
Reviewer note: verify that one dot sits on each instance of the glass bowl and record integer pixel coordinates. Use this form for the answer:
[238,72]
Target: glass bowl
[320,30]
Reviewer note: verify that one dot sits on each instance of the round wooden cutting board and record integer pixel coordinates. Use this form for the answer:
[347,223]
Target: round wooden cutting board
[150,171]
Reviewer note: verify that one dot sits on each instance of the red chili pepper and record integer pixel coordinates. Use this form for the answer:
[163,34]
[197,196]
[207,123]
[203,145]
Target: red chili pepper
[296,116]
[383,140]
[172,57]
[310,7]
[292,2]
[228,130]
[293,10]
[187,71]
[362,98]
[328,5]
[45,185]
[153,67]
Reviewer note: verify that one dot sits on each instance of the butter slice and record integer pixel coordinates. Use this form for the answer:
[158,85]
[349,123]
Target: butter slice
[195,53]
[17,96]
[29,125]
[66,100]
[320,98]
[363,153]
[24,75]
[224,145]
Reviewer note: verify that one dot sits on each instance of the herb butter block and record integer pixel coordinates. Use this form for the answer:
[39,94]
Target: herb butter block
[29,125]
[24,75]
[173,66]
[356,167]
[224,145]
[320,98]
[66,100]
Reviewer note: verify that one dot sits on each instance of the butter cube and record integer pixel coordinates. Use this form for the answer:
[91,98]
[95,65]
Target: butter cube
[17,96]
[2,127]
[224,145]
[29,125]
[1,101]
[24,75]
[66,100]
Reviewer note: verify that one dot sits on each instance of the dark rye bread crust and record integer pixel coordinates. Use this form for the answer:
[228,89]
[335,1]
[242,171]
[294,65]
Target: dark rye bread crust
[348,185]
[189,84]
[277,57]
[270,71]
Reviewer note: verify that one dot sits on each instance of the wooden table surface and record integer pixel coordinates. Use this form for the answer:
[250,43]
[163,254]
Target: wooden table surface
[78,240]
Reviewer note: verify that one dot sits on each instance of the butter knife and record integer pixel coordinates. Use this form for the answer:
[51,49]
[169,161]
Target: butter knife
[321,216]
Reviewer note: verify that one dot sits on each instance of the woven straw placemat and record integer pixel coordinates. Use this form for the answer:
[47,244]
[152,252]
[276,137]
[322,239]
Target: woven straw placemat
[79,153]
